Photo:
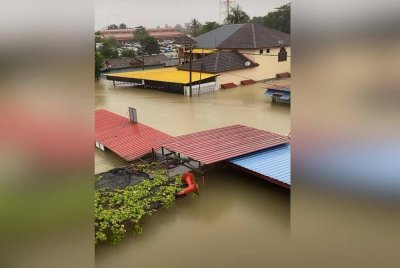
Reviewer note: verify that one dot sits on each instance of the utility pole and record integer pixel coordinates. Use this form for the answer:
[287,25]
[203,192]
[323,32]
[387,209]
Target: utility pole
[227,9]
[185,40]
[190,69]
[142,57]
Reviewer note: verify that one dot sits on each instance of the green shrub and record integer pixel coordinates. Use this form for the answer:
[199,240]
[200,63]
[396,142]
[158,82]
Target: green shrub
[117,212]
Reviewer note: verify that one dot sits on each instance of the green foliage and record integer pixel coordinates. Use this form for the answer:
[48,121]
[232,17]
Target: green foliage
[258,20]
[140,34]
[97,37]
[122,26]
[120,211]
[110,41]
[237,16]
[98,65]
[209,26]
[150,45]
[179,28]
[112,27]
[278,19]
[129,53]
[109,48]
[195,27]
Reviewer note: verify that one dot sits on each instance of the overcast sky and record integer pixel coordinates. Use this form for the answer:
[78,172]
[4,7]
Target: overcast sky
[152,13]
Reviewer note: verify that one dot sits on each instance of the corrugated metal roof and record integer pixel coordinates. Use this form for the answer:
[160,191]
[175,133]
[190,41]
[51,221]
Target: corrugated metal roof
[219,144]
[126,139]
[272,163]
[168,75]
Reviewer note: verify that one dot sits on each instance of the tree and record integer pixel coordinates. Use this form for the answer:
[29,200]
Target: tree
[122,26]
[237,16]
[179,28]
[97,37]
[140,34]
[279,19]
[150,45]
[258,20]
[195,27]
[129,53]
[109,48]
[112,27]
[209,26]
[110,41]
[98,64]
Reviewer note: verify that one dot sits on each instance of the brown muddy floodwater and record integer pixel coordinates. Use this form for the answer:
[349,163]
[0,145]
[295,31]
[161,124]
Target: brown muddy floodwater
[238,220]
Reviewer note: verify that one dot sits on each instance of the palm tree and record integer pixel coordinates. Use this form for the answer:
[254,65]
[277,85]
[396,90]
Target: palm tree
[195,27]
[237,16]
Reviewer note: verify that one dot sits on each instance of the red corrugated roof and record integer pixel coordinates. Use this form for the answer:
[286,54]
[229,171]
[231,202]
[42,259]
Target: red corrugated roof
[219,144]
[126,139]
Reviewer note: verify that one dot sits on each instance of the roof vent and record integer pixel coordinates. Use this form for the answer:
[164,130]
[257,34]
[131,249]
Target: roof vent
[132,115]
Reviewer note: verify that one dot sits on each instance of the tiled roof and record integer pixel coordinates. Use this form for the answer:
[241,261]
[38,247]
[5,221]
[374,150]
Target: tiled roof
[118,63]
[255,36]
[185,40]
[213,38]
[236,36]
[222,61]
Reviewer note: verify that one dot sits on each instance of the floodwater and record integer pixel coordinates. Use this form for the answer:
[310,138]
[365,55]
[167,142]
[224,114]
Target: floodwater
[238,220]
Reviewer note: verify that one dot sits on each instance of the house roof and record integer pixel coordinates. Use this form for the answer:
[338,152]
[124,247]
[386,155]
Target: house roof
[185,40]
[222,61]
[166,75]
[119,63]
[234,36]
[213,38]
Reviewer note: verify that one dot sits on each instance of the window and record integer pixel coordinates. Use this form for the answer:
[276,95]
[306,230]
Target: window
[282,55]
[268,50]
[261,51]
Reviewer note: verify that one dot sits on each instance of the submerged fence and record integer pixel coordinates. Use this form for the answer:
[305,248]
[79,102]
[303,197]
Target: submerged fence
[204,88]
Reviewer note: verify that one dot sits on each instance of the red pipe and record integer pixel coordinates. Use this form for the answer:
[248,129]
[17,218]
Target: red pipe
[190,181]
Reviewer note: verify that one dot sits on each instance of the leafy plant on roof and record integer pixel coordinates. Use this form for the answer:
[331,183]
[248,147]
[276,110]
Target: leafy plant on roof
[123,210]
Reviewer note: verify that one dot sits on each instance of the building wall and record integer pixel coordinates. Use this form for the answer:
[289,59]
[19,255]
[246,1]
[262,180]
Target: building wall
[268,66]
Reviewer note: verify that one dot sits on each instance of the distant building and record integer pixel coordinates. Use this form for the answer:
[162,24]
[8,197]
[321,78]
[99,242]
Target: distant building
[126,35]
[264,53]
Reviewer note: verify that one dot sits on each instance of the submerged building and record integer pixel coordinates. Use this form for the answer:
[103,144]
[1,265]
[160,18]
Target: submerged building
[225,57]
[264,52]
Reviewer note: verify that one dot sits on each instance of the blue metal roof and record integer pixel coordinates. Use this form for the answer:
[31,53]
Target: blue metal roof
[271,92]
[273,163]
[278,95]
